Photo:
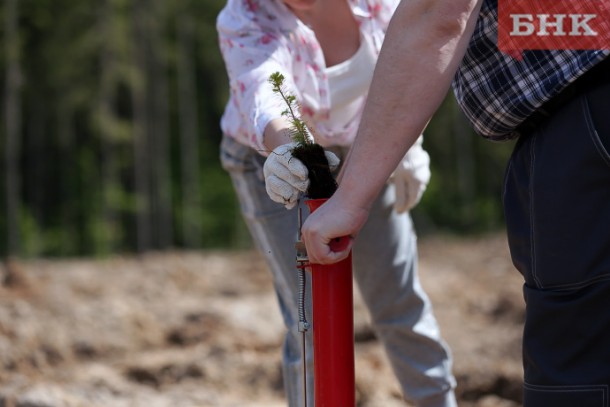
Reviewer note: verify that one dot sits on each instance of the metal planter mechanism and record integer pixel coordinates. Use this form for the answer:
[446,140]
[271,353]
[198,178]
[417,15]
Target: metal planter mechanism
[333,324]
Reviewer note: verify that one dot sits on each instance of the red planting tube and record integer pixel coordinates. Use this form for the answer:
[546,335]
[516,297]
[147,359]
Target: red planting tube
[333,329]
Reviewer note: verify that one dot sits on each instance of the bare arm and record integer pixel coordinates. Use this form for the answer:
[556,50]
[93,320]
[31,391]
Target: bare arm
[277,133]
[425,42]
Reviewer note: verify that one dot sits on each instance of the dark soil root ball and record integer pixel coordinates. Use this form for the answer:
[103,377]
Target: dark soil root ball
[322,184]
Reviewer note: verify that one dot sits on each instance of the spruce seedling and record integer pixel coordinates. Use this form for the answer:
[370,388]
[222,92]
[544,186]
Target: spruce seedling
[298,129]
[321,182]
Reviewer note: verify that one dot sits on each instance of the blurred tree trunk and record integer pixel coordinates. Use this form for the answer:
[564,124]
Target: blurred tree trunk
[12,121]
[189,146]
[105,125]
[465,163]
[151,124]
[141,128]
[68,180]
[34,178]
[159,131]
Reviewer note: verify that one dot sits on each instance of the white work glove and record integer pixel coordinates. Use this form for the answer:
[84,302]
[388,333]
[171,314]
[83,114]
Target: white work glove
[411,177]
[286,176]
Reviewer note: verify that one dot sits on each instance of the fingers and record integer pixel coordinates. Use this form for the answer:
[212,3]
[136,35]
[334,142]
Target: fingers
[402,195]
[282,192]
[329,232]
[284,166]
[416,192]
[284,158]
[411,178]
[285,176]
[320,252]
[288,177]
[333,160]
[291,204]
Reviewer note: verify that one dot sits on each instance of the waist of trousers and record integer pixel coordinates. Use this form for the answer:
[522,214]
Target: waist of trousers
[596,76]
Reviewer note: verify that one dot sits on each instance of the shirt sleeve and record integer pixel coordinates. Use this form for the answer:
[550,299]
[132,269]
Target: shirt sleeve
[382,11]
[251,54]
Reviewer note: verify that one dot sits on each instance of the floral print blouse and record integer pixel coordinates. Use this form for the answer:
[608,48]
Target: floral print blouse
[260,37]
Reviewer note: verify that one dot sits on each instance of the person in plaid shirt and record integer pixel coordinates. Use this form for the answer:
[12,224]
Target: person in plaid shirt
[326,50]
[557,185]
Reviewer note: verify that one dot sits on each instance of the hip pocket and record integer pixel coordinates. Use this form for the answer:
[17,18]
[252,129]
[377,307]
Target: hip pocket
[565,396]
[557,202]
[595,107]
[236,157]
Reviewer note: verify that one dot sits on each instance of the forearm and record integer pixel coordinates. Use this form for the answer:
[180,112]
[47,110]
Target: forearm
[277,133]
[424,45]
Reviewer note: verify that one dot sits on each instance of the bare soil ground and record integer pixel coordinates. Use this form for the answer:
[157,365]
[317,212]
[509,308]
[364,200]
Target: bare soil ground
[202,329]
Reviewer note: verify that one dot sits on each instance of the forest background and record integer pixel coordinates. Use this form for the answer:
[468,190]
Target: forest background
[110,133]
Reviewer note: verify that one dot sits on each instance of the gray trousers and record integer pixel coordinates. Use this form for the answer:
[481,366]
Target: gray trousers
[385,270]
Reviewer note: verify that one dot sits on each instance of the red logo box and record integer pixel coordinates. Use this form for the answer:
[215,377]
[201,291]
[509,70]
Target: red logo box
[553,25]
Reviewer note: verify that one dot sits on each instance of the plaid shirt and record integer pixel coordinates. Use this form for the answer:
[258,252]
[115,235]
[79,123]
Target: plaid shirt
[498,92]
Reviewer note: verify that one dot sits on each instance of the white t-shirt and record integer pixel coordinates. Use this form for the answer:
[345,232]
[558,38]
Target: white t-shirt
[349,83]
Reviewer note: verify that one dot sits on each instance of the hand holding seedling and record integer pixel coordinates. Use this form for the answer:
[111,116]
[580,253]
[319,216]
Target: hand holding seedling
[299,166]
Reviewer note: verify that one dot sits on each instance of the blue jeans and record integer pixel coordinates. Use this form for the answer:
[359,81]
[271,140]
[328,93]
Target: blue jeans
[557,206]
[385,270]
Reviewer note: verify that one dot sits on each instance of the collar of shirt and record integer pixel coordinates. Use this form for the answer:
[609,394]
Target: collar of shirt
[366,12]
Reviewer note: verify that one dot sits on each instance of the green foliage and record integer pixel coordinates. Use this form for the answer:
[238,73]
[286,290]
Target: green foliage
[81,72]
[31,234]
[464,194]
[100,85]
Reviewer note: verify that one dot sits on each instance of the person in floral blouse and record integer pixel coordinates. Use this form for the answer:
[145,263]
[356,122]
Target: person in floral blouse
[326,50]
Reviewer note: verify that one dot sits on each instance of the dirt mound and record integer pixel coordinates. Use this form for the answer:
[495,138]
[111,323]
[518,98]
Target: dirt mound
[203,329]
